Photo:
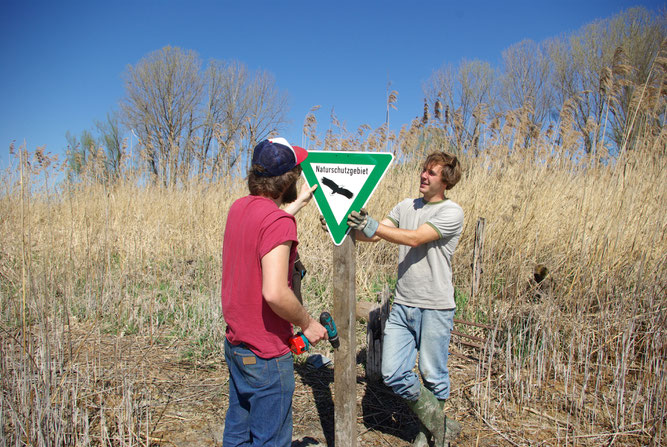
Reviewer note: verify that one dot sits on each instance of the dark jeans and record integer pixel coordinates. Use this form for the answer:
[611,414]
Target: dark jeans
[260,399]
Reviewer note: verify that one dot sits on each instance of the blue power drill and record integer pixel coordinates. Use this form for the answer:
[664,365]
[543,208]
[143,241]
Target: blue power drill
[327,321]
[299,343]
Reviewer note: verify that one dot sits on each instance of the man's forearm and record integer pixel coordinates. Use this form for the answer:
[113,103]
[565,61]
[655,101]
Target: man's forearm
[294,207]
[396,235]
[412,238]
[360,236]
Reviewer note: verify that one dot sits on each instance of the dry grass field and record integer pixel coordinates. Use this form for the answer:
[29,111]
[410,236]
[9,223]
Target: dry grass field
[110,321]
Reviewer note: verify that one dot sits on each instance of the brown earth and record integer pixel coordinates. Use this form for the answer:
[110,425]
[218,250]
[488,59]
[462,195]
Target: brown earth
[150,392]
[188,398]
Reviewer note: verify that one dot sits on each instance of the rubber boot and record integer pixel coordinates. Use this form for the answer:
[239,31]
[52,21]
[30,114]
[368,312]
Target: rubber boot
[429,411]
[422,437]
[452,427]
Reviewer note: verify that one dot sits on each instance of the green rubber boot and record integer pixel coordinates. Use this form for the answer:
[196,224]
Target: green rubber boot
[422,437]
[452,427]
[429,410]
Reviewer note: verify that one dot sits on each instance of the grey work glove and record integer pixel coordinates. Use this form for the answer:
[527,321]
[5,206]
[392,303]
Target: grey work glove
[363,222]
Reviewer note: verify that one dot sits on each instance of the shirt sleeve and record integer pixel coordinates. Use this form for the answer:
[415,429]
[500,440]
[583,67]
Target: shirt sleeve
[276,232]
[395,214]
[448,221]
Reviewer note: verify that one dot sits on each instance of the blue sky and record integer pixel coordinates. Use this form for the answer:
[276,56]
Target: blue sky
[63,61]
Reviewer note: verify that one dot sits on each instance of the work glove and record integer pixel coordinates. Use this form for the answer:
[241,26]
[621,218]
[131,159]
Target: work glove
[363,222]
[323,224]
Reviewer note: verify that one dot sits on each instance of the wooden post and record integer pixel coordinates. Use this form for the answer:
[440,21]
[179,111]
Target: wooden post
[477,257]
[377,318]
[345,357]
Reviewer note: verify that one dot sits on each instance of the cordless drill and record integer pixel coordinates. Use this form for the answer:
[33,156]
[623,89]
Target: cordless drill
[327,321]
[299,343]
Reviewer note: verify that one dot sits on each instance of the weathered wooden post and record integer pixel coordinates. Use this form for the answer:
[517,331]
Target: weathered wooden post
[346,181]
[477,257]
[345,362]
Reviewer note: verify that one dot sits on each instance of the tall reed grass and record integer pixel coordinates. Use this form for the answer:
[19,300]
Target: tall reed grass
[585,347]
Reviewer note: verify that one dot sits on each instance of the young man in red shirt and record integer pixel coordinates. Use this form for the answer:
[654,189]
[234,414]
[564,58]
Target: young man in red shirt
[258,303]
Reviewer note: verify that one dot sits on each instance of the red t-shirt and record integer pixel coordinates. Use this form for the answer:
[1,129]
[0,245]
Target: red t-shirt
[255,226]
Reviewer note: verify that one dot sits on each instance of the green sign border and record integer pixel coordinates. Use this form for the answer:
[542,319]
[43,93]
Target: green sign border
[379,160]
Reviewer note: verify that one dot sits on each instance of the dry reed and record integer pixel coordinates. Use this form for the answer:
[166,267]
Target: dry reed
[583,349]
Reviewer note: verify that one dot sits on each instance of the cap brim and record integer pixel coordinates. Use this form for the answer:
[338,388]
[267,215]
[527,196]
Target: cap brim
[300,153]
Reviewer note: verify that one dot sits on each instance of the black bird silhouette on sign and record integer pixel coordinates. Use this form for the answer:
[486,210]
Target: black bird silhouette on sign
[335,189]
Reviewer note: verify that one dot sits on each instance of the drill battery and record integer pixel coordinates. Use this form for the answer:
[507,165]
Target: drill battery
[299,344]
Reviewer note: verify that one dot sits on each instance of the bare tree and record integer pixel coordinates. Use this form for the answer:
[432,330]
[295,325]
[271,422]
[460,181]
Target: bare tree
[524,84]
[189,120]
[225,112]
[634,81]
[76,154]
[577,66]
[462,97]
[163,96]
[111,138]
[581,64]
[266,109]
[85,157]
[242,109]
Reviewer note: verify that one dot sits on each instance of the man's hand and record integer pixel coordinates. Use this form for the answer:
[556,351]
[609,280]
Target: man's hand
[305,196]
[306,193]
[323,224]
[363,222]
[314,331]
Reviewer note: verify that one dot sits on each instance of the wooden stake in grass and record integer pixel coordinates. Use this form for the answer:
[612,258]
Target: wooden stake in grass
[477,258]
[345,376]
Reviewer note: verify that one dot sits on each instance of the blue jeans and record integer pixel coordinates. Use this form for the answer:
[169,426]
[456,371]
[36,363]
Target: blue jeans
[260,399]
[410,330]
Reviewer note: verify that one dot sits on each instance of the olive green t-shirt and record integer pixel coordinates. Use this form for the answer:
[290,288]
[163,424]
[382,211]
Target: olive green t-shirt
[425,271]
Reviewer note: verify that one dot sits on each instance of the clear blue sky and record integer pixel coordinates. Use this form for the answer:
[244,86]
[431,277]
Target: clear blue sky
[62,61]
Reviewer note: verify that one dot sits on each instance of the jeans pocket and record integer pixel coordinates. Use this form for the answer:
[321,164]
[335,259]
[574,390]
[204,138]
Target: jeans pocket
[255,369]
[285,367]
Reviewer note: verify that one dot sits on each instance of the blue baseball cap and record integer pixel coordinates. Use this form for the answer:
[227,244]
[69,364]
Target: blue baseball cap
[277,156]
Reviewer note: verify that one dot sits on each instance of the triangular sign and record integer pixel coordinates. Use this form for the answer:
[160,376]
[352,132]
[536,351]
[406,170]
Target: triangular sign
[346,181]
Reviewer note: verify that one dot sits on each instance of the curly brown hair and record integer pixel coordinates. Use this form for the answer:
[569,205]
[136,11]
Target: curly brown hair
[272,187]
[451,167]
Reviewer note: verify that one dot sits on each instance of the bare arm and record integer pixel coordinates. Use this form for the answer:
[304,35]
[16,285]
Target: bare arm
[412,238]
[281,298]
[305,195]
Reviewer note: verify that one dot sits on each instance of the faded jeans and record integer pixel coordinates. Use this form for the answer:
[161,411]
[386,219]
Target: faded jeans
[410,330]
[260,399]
